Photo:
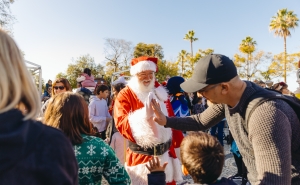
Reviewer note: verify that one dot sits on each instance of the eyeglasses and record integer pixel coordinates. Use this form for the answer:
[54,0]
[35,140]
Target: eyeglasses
[59,87]
[207,89]
[144,75]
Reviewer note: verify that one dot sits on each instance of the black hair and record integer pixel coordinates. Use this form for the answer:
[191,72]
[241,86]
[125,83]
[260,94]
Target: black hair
[101,88]
[118,87]
[87,71]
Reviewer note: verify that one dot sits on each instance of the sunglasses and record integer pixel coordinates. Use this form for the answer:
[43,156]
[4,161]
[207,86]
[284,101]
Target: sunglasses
[59,87]
[207,89]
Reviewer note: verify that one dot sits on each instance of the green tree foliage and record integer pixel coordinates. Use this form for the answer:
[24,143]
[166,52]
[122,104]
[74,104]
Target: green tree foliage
[61,75]
[281,25]
[151,50]
[6,17]
[296,58]
[193,60]
[190,36]
[155,50]
[250,68]
[76,68]
[166,68]
[247,47]
[182,61]
[276,67]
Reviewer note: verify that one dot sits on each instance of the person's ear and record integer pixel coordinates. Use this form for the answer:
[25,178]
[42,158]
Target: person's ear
[184,170]
[225,88]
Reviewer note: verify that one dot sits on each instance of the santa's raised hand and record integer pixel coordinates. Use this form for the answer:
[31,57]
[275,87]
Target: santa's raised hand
[149,111]
[159,118]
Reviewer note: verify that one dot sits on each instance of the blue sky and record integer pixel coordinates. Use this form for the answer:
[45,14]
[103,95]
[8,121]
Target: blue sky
[51,33]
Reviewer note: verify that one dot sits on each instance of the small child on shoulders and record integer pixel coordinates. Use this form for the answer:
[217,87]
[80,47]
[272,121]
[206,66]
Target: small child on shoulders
[202,157]
[87,80]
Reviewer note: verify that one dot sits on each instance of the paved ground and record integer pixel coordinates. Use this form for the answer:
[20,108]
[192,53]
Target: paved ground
[228,169]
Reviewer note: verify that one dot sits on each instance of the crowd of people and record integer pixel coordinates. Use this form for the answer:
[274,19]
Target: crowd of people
[146,133]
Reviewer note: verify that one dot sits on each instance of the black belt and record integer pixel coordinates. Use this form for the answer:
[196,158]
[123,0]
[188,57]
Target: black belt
[158,149]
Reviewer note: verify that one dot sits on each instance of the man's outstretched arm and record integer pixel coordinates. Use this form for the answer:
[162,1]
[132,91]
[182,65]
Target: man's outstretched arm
[210,117]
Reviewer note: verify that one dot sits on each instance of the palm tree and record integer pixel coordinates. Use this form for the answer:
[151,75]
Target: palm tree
[281,24]
[248,47]
[181,59]
[190,37]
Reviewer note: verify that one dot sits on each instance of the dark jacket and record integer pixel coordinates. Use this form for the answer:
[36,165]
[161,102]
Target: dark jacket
[33,153]
[159,178]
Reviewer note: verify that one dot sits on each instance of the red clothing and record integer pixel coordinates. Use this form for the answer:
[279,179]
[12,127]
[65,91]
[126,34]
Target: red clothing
[129,115]
[111,108]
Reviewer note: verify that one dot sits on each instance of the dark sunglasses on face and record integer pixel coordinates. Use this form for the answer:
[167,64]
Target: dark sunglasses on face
[60,87]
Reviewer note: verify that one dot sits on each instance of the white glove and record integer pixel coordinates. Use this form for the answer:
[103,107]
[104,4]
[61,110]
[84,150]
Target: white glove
[149,111]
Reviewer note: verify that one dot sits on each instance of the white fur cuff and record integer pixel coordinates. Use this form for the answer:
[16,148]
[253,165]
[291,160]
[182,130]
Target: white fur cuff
[141,129]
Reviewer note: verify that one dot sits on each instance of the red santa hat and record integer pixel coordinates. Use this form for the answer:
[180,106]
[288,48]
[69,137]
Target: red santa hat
[142,64]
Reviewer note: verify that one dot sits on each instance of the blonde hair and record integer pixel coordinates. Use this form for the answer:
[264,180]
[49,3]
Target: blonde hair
[16,83]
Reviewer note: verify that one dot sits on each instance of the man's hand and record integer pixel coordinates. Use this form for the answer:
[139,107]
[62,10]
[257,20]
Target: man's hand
[108,119]
[154,165]
[159,118]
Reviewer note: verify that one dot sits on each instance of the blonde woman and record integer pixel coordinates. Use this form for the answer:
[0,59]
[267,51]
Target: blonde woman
[30,152]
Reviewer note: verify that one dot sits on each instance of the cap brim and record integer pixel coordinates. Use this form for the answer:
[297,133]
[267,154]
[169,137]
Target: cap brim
[192,86]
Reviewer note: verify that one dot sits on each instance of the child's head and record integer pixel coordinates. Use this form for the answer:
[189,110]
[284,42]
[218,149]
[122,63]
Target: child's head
[102,91]
[202,156]
[87,71]
[116,88]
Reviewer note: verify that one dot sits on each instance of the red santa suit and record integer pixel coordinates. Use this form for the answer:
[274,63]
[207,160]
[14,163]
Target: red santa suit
[133,117]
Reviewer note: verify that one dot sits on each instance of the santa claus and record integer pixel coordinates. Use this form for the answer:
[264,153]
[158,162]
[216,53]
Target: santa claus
[134,119]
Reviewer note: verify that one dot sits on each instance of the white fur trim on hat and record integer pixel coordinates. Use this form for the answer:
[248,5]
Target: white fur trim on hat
[142,66]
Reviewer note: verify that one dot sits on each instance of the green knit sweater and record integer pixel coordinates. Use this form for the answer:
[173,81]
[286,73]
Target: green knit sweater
[95,158]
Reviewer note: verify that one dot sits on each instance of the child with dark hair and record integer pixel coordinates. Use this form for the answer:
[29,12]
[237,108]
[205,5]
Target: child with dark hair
[202,157]
[87,80]
[98,110]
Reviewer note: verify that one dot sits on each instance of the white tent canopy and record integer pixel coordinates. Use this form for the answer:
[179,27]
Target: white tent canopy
[117,74]
[35,69]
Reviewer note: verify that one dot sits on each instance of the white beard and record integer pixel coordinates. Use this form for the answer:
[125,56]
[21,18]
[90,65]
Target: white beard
[140,89]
